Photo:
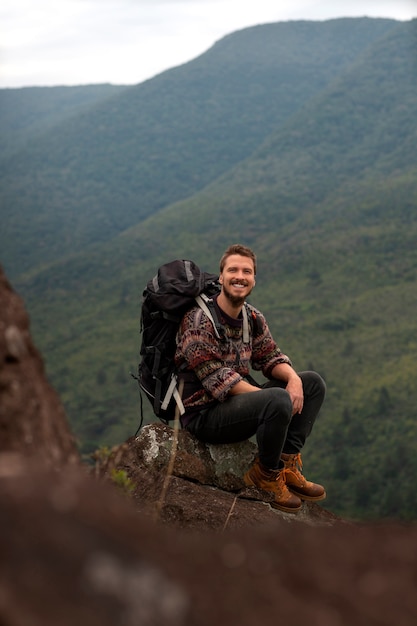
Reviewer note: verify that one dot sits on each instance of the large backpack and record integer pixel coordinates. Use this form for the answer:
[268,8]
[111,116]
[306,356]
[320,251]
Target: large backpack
[177,286]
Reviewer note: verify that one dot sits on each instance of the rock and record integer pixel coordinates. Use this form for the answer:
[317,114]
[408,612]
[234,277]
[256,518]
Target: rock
[203,488]
[75,551]
[71,553]
[222,466]
[32,419]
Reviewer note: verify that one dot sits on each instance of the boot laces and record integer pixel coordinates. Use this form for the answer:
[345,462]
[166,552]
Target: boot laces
[295,465]
[280,479]
[295,462]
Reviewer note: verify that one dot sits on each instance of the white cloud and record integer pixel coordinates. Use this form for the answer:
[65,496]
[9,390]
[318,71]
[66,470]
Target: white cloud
[49,42]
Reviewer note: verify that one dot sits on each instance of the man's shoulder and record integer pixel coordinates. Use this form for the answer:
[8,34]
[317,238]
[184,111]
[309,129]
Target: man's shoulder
[257,320]
[195,316]
[205,318]
[254,311]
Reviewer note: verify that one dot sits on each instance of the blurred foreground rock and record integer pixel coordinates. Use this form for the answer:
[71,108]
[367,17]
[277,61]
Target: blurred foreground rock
[76,552]
[32,420]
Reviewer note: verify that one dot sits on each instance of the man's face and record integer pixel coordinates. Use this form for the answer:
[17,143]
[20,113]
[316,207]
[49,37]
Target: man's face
[237,278]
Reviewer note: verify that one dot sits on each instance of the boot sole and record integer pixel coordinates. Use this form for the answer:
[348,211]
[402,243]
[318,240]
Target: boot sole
[249,483]
[285,509]
[309,498]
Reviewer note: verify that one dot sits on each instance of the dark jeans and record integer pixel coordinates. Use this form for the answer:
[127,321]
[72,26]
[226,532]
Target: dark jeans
[266,414]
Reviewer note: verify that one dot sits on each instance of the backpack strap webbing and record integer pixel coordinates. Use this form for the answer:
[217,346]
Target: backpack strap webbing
[173,391]
[206,304]
[245,324]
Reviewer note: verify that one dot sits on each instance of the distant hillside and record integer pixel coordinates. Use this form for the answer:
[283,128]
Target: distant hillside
[125,158]
[327,198]
[27,112]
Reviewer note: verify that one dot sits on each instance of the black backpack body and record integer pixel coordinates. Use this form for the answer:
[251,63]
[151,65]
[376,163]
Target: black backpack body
[166,298]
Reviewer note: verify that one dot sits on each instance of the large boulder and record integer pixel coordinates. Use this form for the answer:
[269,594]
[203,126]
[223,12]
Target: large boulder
[194,485]
[222,466]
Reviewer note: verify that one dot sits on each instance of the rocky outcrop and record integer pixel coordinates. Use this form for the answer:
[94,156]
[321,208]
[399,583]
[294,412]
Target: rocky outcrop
[204,483]
[220,466]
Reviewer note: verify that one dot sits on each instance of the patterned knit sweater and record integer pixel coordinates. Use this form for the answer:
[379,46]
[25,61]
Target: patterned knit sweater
[213,366]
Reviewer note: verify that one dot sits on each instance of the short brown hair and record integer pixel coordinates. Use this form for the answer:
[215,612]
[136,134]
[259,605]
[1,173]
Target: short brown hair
[237,248]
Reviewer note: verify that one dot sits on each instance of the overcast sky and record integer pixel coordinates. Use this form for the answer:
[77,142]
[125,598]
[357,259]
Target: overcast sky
[78,42]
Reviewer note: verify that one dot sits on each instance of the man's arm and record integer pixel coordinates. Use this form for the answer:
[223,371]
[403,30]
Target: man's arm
[281,371]
[242,387]
[284,371]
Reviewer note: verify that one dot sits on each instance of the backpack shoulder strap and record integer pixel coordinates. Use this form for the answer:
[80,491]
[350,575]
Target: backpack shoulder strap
[206,304]
[245,324]
[254,321]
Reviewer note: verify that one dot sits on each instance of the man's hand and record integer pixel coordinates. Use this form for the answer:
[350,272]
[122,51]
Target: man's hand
[295,389]
[294,386]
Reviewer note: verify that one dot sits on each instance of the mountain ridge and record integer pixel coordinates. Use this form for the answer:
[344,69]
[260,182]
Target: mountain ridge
[96,168]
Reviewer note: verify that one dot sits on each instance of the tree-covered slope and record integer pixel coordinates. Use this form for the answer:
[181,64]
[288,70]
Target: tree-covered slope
[116,163]
[29,111]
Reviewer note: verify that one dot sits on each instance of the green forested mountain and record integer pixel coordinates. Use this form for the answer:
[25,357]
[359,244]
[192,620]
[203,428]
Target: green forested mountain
[122,160]
[28,112]
[323,187]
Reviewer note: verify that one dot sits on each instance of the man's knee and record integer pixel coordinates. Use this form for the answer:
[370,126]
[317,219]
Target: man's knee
[312,381]
[277,402]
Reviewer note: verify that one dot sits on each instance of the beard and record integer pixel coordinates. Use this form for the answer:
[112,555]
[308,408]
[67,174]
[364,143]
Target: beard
[235,301]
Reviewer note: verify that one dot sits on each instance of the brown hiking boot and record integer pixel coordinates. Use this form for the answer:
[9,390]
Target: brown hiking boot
[296,482]
[274,482]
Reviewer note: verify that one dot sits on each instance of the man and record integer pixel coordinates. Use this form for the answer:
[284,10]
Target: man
[223,405]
